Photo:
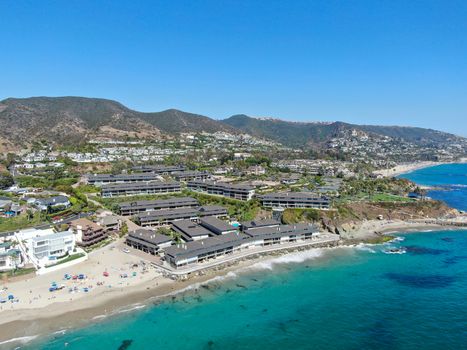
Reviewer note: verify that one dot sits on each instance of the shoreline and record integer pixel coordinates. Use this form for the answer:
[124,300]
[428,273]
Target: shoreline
[402,169]
[27,324]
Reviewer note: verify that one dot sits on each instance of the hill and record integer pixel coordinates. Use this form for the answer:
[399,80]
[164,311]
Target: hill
[65,120]
[297,134]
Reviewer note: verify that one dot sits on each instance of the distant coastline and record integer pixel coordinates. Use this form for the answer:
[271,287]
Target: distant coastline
[406,168]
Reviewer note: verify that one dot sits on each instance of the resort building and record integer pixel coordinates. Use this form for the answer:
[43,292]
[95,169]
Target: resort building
[294,200]
[136,207]
[259,224]
[217,226]
[163,217]
[140,188]
[235,191]
[201,250]
[148,241]
[87,233]
[267,235]
[213,210]
[197,251]
[190,231]
[158,169]
[191,175]
[101,179]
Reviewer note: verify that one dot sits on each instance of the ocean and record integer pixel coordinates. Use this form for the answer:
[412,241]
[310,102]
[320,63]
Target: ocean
[346,298]
[451,179]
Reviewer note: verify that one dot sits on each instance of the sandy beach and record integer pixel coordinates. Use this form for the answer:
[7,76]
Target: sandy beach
[40,312]
[409,167]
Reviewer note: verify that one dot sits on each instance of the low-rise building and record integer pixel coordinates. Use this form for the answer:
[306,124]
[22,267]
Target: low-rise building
[158,169]
[141,188]
[302,200]
[101,179]
[235,191]
[136,207]
[164,217]
[216,225]
[10,257]
[148,241]
[190,231]
[87,232]
[50,247]
[191,175]
[259,223]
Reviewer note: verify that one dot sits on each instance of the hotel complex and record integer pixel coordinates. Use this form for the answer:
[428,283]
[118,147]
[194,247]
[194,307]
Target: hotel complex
[235,191]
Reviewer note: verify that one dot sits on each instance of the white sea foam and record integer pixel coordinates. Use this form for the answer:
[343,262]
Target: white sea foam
[365,248]
[132,308]
[99,317]
[21,340]
[293,258]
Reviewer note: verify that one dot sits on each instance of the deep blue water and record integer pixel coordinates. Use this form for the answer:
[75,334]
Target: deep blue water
[346,298]
[451,177]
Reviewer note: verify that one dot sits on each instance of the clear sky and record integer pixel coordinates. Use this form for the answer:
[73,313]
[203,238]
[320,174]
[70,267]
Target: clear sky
[374,62]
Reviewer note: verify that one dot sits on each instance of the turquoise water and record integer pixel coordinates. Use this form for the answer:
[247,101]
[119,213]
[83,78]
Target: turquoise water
[346,298]
[452,178]
[349,298]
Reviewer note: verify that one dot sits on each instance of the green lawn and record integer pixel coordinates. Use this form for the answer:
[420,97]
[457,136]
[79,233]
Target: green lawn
[19,222]
[68,258]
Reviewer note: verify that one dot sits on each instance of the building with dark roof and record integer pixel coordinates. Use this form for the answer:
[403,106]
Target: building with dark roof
[235,191]
[158,169]
[213,210]
[294,200]
[191,231]
[216,225]
[268,235]
[166,216]
[148,241]
[191,175]
[201,250]
[140,188]
[136,207]
[163,217]
[55,203]
[197,251]
[101,179]
[259,223]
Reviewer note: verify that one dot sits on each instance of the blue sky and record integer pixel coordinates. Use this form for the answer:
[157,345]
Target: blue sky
[373,62]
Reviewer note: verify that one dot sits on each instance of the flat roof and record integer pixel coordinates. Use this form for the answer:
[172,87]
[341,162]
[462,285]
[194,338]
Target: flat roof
[121,177]
[149,236]
[159,203]
[294,196]
[215,223]
[140,185]
[259,223]
[203,246]
[281,230]
[167,214]
[223,185]
[190,229]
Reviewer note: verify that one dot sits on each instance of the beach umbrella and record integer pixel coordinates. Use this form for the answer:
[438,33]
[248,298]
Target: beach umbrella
[10,297]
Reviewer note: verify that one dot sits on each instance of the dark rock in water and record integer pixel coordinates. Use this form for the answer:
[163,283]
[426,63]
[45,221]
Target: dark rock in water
[421,281]
[265,310]
[205,286]
[447,239]
[416,250]
[243,307]
[210,344]
[125,344]
[241,286]
[228,291]
[254,279]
